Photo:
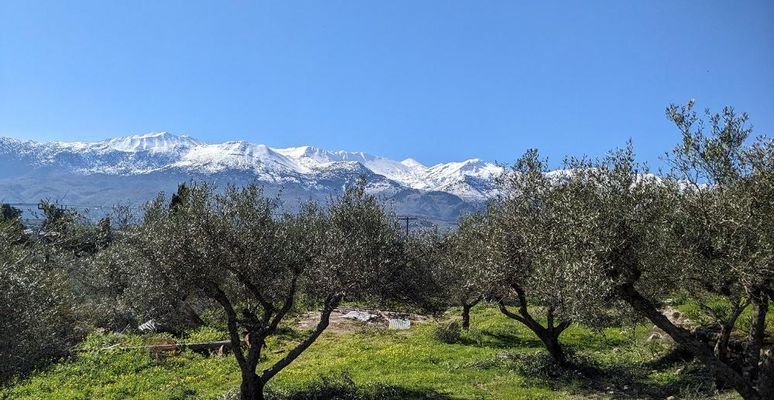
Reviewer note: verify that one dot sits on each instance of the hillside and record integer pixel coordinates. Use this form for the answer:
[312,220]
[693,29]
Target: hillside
[133,169]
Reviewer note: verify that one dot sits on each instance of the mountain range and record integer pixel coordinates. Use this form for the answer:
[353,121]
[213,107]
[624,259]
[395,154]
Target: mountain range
[131,170]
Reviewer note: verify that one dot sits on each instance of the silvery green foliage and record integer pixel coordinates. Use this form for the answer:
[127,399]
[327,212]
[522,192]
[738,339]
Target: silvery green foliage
[239,241]
[621,221]
[210,240]
[725,226]
[414,282]
[115,292]
[535,227]
[361,253]
[235,249]
[726,212]
[464,261]
[37,313]
[649,237]
[761,191]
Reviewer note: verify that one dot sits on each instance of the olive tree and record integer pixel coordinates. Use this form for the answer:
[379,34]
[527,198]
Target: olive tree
[726,221]
[234,249]
[417,284]
[532,264]
[37,311]
[462,264]
[11,219]
[632,218]
[761,270]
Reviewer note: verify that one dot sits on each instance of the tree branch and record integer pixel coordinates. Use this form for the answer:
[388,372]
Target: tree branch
[562,326]
[683,337]
[330,304]
[218,295]
[287,305]
[508,313]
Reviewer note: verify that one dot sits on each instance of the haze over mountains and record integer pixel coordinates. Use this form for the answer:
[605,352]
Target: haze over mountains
[133,169]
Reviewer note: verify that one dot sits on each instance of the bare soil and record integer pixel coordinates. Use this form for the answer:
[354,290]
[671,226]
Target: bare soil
[342,325]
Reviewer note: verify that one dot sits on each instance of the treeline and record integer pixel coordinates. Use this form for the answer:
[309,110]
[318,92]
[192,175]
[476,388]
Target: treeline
[596,242]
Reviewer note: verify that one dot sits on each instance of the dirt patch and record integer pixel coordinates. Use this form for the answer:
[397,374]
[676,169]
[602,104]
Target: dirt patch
[678,318]
[345,320]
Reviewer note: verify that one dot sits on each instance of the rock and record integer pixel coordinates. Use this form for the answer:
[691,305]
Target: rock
[360,315]
[654,337]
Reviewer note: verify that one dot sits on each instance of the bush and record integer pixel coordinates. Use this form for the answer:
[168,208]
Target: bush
[38,323]
[542,366]
[339,387]
[535,365]
[342,387]
[450,332]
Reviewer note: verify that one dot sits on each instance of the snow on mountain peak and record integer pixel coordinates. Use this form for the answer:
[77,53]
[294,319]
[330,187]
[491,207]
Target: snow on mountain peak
[146,153]
[412,163]
[309,156]
[155,142]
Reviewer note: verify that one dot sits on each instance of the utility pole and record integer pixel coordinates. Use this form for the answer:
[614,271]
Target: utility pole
[407,219]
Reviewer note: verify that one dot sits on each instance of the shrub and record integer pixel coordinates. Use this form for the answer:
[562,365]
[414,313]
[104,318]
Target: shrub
[450,332]
[339,387]
[542,366]
[37,313]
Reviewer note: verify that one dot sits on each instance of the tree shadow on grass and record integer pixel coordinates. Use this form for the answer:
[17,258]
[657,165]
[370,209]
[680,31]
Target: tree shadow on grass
[290,334]
[500,340]
[514,339]
[582,376]
[341,387]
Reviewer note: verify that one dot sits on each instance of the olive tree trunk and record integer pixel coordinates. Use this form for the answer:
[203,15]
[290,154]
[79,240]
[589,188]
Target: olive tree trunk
[251,387]
[757,333]
[726,327]
[699,349]
[549,334]
[466,312]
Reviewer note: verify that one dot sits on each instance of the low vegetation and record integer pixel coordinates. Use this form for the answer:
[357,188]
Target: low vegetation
[601,279]
[496,359]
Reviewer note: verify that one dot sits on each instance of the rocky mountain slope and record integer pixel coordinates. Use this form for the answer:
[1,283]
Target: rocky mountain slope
[133,169]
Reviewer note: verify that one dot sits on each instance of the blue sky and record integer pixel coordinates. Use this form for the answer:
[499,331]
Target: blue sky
[434,80]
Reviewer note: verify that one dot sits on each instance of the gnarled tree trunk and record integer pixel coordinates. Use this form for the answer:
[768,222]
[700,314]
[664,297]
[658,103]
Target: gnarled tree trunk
[551,341]
[549,334]
[757,332]
[251,387]
[466,312]
[766,376]
[726,327]
[692,344]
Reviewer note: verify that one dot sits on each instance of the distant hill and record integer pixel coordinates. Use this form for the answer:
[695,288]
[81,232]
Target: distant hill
[133,169]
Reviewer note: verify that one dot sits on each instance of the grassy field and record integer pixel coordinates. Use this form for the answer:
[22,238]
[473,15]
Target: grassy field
[497,359]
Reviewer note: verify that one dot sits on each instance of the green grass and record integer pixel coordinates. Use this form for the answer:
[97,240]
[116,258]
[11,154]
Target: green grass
[497,359]
[693,311]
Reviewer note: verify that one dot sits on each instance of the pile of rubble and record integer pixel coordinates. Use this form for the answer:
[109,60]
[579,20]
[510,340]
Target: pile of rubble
[349,319]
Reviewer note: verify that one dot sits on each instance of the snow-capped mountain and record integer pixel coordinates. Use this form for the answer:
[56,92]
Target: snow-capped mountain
[134,168]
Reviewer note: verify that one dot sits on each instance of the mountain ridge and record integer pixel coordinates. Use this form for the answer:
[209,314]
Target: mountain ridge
[135,168]
[153,152]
